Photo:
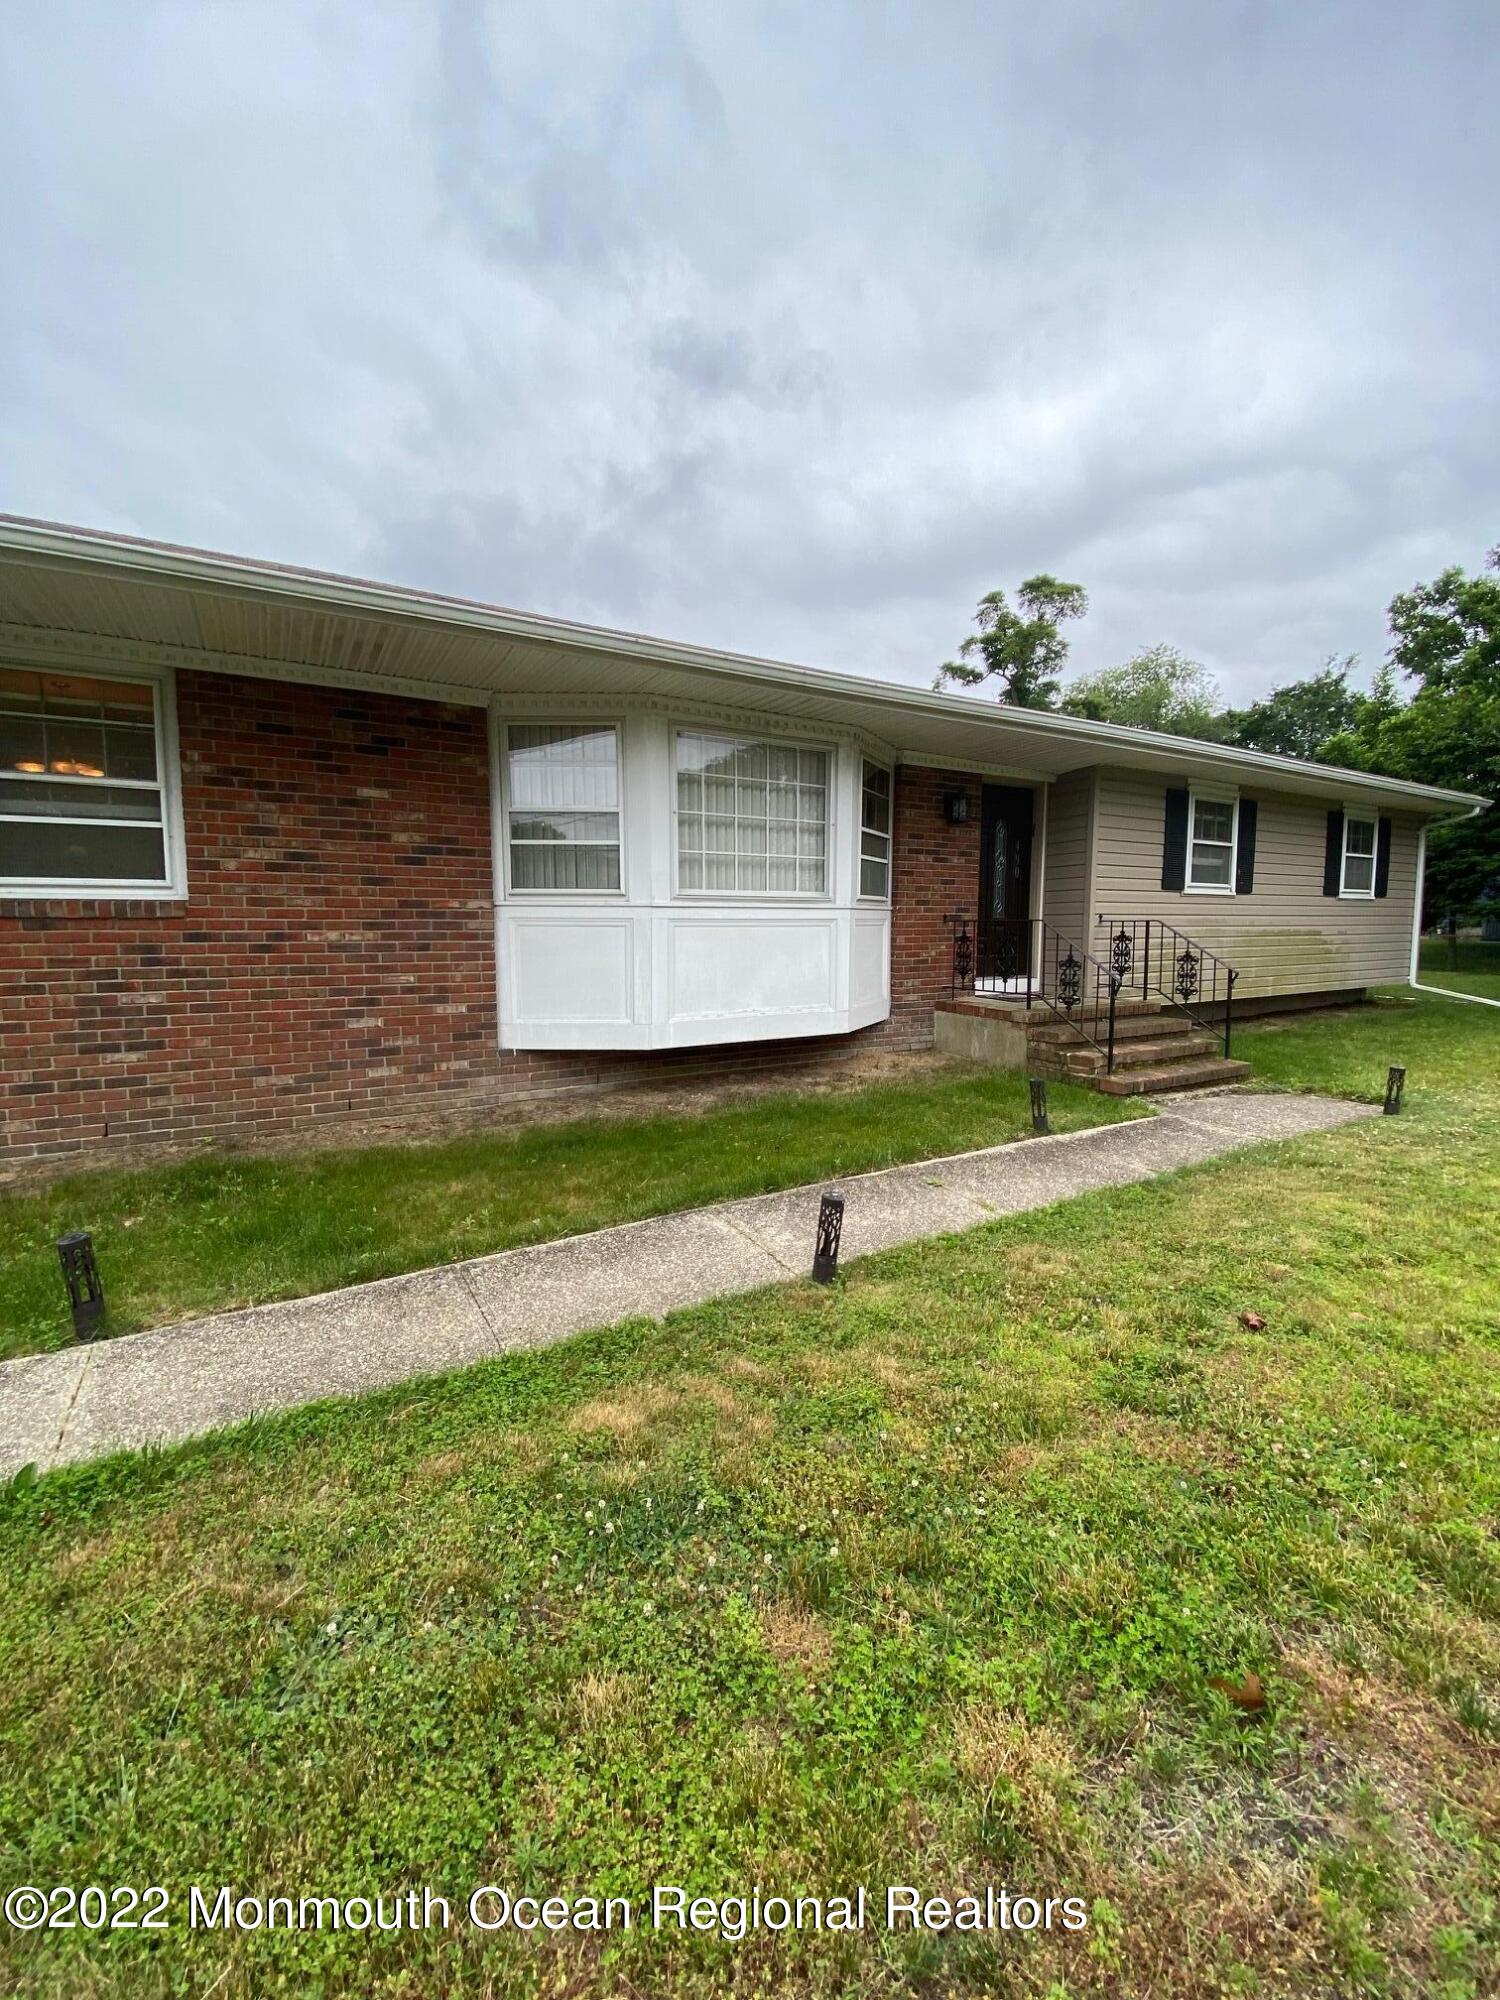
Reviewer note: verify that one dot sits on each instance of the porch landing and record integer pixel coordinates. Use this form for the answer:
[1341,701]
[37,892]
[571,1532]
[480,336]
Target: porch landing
[1156,1050]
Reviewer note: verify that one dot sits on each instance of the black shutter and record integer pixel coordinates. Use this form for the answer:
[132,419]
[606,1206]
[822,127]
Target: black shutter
[1174,839]
[1382,857]
[1244,866]
[1333,854]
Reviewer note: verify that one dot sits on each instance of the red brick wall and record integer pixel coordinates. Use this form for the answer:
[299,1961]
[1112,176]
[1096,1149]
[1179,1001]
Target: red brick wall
[337,950]
[935,871]
[336,958]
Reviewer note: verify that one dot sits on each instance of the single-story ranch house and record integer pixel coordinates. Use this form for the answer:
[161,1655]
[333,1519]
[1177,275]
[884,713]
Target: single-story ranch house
[278,847]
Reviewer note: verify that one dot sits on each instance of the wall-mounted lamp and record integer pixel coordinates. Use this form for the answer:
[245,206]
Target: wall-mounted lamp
[955,807]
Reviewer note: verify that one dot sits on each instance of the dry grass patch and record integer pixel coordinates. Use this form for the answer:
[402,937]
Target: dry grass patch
[628,1413]
[796,1637]
[602,1700]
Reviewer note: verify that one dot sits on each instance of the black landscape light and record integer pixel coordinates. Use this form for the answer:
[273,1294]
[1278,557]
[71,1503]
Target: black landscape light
[85,1288]
[1395,1083]
[830,1228]
[1039,1119]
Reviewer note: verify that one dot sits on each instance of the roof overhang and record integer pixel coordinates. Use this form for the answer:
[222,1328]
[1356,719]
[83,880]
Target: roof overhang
[71,592]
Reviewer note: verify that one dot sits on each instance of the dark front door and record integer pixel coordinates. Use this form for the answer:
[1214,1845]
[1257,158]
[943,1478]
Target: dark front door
[1004,882]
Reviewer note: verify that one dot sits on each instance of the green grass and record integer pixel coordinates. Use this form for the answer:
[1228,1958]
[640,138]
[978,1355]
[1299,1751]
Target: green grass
[1477,969]
[924,1579]
[215,1233]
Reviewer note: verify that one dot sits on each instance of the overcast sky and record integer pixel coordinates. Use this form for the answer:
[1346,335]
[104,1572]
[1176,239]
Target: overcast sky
[779,326]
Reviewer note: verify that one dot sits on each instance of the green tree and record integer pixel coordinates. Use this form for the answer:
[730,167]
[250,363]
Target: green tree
[1160,688]
[1446,639]
[1298,718]
[1023,648]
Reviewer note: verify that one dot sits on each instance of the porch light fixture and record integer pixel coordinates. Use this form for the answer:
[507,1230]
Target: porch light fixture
[1039,1119]
[830,1228]
[85,1288]
[955,807]
[1395,1083]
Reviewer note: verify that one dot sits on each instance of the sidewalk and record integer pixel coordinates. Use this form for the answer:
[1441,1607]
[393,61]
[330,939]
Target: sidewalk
[159,1387]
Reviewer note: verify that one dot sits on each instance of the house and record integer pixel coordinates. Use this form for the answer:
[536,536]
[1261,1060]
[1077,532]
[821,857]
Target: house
[279,847]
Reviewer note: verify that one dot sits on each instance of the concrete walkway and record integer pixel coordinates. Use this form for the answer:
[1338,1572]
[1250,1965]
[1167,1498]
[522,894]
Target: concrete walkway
[149,1388]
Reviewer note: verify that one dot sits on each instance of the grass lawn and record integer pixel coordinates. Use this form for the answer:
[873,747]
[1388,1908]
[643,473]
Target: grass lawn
[924,1579]
[210,1234]
[1477,970]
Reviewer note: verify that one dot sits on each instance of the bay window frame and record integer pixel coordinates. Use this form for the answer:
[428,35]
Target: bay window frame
[680,726]
[505,806]
[881,898]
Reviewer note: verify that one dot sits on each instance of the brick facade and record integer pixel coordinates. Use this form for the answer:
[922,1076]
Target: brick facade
[337,959]
[935,870]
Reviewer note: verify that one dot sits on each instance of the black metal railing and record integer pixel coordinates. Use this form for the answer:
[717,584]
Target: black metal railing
[1155,961]
[1041,967]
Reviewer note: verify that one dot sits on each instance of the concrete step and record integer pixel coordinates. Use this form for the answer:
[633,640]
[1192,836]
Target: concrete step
[1172,1076]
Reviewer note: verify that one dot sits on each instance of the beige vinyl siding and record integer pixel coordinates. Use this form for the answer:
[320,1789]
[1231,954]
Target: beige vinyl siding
[1286,936]
[1065,888]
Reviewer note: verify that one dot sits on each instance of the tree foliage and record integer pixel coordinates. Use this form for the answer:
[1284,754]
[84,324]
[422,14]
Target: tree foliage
[1021,648]
[1447,640]
[1296,720]
[1160,688]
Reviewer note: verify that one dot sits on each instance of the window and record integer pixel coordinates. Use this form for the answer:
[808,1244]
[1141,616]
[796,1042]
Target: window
[1211,845]
[1359,858]
[564,804]
[875,831]
[751,816]
[84,785]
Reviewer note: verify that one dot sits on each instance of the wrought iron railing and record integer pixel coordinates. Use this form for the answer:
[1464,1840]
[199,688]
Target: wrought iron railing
[1155,961]
[1041,967]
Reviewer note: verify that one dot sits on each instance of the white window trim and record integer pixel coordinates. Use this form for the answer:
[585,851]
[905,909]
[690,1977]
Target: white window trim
[1189,886]
[501,728]
[170,888]
[1364,817]
[804,897]
[877,902]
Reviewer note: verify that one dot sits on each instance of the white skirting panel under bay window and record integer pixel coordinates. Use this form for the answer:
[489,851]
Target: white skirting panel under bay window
[675,957]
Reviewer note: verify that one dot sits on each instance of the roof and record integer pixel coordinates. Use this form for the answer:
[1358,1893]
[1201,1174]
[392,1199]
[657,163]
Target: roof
[230,614]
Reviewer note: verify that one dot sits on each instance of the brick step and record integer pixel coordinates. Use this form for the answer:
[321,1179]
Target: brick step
[1060,1034]
[1008,1007]
[1143,1053]
[1172,1076]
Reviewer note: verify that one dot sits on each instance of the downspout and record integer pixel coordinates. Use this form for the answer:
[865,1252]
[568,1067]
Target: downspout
[1444,992]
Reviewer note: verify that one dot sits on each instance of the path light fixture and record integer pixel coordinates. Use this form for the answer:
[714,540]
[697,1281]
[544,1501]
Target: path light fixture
[80,1271]
[830,1228]
[1395,1083]
[1039,1119]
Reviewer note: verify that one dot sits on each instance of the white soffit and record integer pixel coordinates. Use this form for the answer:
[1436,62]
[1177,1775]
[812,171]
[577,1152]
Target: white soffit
[65,590]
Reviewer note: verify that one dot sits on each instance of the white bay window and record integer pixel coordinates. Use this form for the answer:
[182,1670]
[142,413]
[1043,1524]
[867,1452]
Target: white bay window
[752,817]
[874,831]
[563,790]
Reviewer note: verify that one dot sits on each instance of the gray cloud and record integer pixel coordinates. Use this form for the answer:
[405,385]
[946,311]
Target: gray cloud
[782,328]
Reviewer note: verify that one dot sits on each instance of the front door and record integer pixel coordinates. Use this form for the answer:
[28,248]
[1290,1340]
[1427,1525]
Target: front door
[1004,883]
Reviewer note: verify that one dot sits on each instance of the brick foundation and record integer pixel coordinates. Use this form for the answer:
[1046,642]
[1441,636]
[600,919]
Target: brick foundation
[336,960]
